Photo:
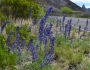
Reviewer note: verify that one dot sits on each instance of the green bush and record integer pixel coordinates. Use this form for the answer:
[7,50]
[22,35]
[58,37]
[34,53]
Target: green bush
[2,18]
[10,27]
[2,41]
[37,12]
[20,8]
[7,59]
[67,10]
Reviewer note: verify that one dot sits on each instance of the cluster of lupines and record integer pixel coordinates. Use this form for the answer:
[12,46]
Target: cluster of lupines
[63,19]
[42,24]
[41,30]
[45,34]
[62,24]
[68,28]
[48,57]
[33,50]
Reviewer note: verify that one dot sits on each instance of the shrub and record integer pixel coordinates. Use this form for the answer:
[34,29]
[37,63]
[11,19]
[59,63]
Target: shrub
[37,12]
[21,9]
[25,33]
[7,59]
[2,18]
[10,27]
[67,10]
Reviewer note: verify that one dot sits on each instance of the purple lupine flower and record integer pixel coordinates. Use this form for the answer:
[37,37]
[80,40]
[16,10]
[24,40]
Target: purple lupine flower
[46,57]
[23,43]
[3,26]
[34,54]
[70,21]
[9,36]
[18,40]
[41,30]
[29,45]
[13,46]
[30,12]
[37,48]
[19,52]
[60,23]
[86,27]
[48,12]
[42,23]
[86,23]
[69,30]
[64,16]
[79,29]
[49,55]
[52,40]
[47,30]
[69,26]
[42,65]
[33,50]
[17,37]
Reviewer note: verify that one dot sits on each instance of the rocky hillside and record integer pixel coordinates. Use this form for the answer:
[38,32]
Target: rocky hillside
[57,4]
